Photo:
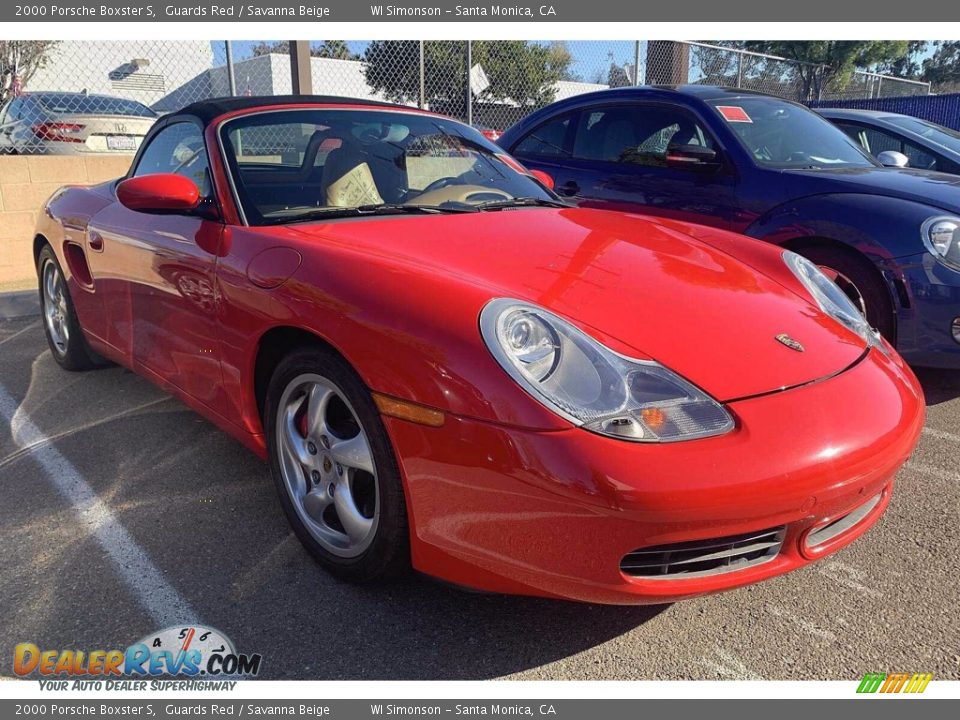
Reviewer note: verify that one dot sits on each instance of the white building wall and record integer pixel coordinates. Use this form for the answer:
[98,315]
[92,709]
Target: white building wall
[144,70]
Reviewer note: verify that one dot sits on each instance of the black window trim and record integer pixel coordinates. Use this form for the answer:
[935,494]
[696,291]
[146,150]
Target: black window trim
[210,202]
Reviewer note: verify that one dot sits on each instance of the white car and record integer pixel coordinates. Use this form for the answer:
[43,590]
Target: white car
[61,123]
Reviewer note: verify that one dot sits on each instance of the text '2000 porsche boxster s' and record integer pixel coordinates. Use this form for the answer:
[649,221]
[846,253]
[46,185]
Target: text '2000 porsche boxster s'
[450,368]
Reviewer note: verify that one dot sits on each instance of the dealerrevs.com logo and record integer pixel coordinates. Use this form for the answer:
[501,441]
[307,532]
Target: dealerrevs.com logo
[193,651]
[911,683]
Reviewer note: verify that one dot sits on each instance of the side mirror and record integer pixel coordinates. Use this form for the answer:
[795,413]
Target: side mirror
[163,192]
[543,178]
[694,157]
[892,158]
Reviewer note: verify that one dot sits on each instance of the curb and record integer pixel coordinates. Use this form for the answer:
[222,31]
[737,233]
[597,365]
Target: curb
[24,303]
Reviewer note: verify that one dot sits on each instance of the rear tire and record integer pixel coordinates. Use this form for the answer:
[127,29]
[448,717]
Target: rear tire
[60,323]
[334,467]
[861,282]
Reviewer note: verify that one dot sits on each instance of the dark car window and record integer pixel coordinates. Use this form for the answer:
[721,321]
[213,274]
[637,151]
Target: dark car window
[879,141]
[919,157]
[75,103]
[635,134]
[781,134]
[552,139]
[875,141]
[854,132]
[177,148]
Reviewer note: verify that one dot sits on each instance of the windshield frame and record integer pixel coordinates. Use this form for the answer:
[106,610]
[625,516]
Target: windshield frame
[869,160]
[231,166]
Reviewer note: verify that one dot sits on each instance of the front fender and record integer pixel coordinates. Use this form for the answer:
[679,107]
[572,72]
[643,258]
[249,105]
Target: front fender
[409,332]
[881,228]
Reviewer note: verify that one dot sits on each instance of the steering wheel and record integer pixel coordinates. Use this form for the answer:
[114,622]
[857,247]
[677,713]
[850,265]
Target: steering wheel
[438,183]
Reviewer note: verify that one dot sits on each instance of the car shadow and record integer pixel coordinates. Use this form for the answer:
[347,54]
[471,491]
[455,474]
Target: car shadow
[939,386]
[205,513]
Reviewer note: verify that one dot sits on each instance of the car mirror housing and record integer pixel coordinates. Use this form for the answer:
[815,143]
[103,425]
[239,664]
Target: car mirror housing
[692,156]
[892,158]
[163,192]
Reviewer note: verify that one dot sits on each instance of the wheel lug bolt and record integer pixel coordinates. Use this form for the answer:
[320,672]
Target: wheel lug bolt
[325,441]
[332,488]
[339,469]
[315,477]
[311,448]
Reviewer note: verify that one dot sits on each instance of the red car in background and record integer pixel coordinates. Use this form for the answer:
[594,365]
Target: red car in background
[448,367]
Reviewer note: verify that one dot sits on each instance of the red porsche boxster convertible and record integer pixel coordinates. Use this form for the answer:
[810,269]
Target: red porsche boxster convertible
[449,368]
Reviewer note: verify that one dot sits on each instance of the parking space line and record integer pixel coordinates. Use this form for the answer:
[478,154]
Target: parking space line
[146,582]
[19,332]
[27,449]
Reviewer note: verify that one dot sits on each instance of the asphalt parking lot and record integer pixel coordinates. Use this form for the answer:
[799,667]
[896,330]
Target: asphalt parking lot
[123,512]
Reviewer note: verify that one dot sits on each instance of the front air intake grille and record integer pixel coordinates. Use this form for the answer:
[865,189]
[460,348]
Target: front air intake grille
[826,533]
[704,557]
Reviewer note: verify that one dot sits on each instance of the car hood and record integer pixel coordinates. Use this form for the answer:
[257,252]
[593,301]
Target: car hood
[645,288]
[924,186]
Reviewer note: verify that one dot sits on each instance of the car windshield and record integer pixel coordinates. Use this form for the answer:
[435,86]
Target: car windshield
[783,135]
[944,137]
[77,104]
[293,165]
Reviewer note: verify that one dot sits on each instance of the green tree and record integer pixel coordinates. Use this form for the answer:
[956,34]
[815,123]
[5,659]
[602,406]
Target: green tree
[335,49]
[561,58]
[518,71]
[942,69]
[829,64]
[908,65]
[19,61]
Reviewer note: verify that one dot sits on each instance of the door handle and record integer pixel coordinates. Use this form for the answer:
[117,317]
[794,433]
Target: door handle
[95,242]
[569,188]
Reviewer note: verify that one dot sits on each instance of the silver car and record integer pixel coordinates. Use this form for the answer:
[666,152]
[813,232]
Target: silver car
[61,123]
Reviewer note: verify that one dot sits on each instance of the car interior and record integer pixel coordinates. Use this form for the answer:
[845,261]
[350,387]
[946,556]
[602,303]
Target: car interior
[356,162]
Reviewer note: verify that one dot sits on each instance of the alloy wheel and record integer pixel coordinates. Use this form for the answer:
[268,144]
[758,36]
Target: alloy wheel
[327,465]
[55,307]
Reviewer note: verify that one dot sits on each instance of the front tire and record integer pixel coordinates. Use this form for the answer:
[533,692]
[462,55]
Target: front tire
[334,468]
[60,323]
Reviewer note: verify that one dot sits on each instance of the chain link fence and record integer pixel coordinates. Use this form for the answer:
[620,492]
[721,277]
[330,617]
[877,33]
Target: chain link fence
[71,97]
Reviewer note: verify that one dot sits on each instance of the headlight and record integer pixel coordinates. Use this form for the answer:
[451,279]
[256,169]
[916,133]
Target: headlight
[831,299]
[942,239]
[592,386]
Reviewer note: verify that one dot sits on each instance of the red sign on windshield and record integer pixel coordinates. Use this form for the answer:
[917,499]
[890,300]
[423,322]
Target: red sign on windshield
[734,113]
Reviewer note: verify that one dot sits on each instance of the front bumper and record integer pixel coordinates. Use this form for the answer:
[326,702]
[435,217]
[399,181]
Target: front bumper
[924,336]
[553,513]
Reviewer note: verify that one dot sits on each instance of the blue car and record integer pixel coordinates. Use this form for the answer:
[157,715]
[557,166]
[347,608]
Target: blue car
[920,143]
[773,170]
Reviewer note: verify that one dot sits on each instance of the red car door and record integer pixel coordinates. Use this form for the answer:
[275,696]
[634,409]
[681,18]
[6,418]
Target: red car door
[163,305]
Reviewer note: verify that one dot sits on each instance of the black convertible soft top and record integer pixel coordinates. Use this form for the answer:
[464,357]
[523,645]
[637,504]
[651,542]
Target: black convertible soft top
[208,110]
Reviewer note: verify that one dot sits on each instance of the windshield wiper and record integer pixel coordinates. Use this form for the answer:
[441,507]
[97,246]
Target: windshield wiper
[367,210]
[522,202]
